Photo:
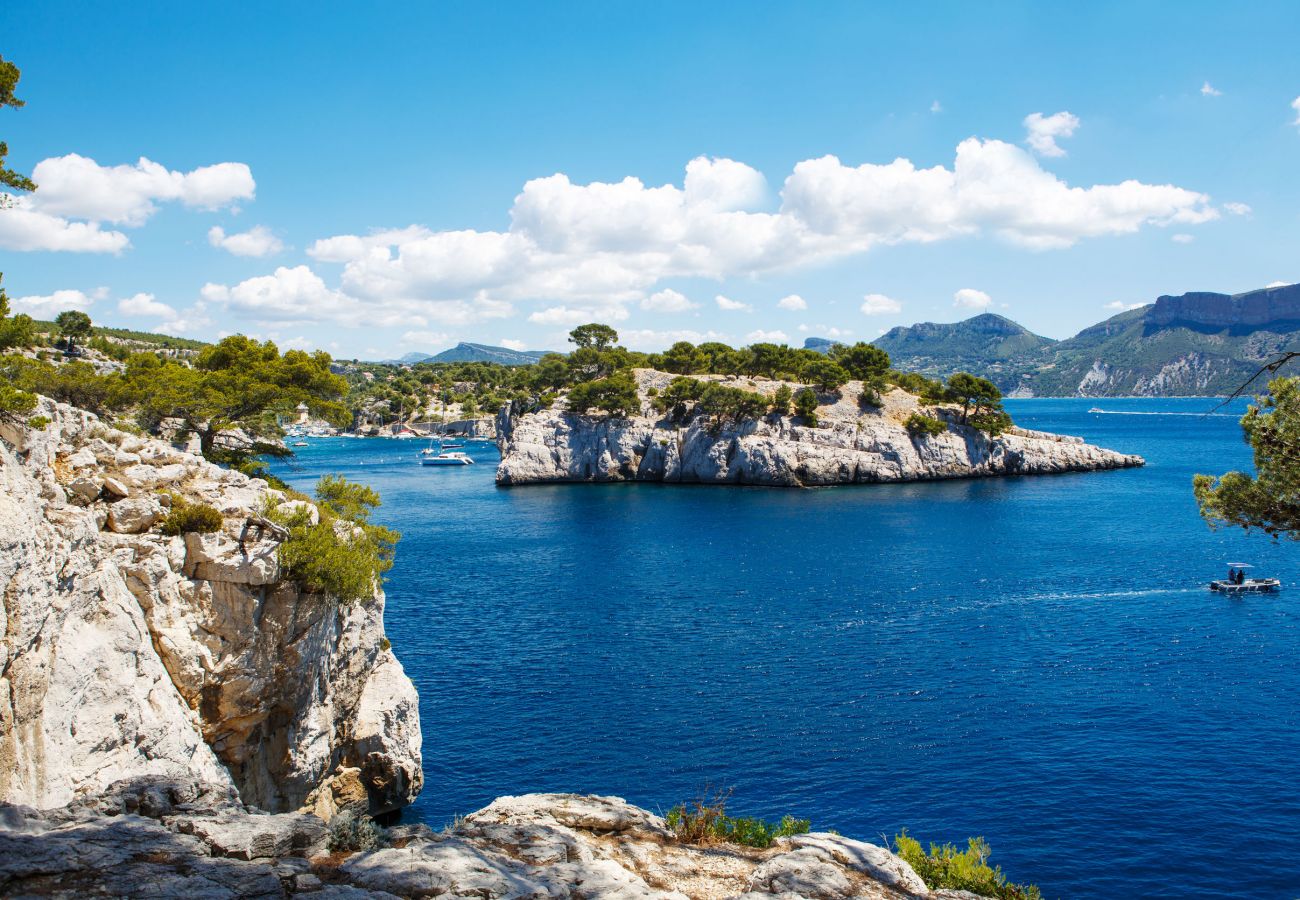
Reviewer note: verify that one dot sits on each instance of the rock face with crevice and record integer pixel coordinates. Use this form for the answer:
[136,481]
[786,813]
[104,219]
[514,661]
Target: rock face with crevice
[853,443]
[196,840]
[125,652]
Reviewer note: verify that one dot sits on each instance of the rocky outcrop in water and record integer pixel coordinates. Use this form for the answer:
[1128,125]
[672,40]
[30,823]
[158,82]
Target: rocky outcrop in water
[188,839]
[125,652]
[852,444]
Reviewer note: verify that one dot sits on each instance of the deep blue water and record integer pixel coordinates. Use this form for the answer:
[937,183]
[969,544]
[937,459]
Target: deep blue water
[1034,660]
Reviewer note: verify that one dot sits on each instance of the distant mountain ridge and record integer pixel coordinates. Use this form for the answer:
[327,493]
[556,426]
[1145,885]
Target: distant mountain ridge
[1194,343]
[467,352]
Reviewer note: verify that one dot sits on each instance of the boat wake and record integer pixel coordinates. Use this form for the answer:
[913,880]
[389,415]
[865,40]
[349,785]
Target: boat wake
[1140,412]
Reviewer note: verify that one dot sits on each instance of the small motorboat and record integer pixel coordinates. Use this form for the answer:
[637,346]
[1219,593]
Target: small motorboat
[445,459]
[452,446]
[301,444]
[1096,409]
[1238,583]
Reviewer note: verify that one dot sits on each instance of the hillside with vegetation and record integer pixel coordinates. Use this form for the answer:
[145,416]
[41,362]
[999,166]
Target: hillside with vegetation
[1192,344]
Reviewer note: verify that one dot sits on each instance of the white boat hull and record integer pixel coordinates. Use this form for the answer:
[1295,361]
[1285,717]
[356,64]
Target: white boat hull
[1250,586]
[446,461]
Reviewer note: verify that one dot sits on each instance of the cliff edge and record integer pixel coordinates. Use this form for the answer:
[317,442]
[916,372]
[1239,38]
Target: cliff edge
[127,653]
[195,840]
[854,443]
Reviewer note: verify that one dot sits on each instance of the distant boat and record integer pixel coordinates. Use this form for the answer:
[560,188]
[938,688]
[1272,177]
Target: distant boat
[1096,409]
[301,444]
[445,459]
[1238,583]
[452,446]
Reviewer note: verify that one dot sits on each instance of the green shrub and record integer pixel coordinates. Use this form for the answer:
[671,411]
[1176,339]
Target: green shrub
[921,425]
[38,422]
[185,517]
[963,870]
[616,395]
[350,832]
[705,821]
[805,406]
[343,554]
[15,403]
[992,423]
[781,400]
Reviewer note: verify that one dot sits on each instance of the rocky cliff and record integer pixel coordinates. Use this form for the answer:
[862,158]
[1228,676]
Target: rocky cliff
[124,652]
[185,839]
[853,444]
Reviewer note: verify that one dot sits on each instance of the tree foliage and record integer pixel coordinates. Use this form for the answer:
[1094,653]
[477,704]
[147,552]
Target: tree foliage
[15,331]
[805,406]
[616,395]
[343,554]
[1269,500]
[74,325]
[862,361]
[9,75]
[593,336]
[239,382]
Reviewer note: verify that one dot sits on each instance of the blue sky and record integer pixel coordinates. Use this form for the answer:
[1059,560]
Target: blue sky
[288,125]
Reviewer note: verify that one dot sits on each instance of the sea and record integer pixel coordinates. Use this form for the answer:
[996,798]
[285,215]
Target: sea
[1033,660]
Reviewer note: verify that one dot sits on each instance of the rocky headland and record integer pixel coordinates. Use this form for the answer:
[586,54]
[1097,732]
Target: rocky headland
[853,443]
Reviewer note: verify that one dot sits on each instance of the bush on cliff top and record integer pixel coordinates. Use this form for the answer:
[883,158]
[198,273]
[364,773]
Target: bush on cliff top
[963,870]
[343,554]
[350,832]
[185,517]
[919,425]
[705,821]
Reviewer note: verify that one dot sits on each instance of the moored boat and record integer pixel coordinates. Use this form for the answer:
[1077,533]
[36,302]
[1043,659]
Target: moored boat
[446,459]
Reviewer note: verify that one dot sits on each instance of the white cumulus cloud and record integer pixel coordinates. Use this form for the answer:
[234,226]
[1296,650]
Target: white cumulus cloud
[792,302]
[767,337]
[969,298]
[668,301]
[47,306]
[1208,90]
[1042,132]
[424,338]
[573,247]
[650,340]
[579,315]
[77,195]
[513,344]
[880,305]
[1237,209]
[257,241]
[726,303]
[1121,306]
[1295,104]
[1183,238]
[145,305]
[77,187]
[1277,284]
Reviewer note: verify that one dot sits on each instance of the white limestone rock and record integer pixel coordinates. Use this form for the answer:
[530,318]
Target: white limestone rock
[134,516]
[852,445]
[125,652]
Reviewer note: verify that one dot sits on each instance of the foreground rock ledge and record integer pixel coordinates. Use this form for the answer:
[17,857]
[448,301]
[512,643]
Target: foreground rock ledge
[852,445]
[156,837]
